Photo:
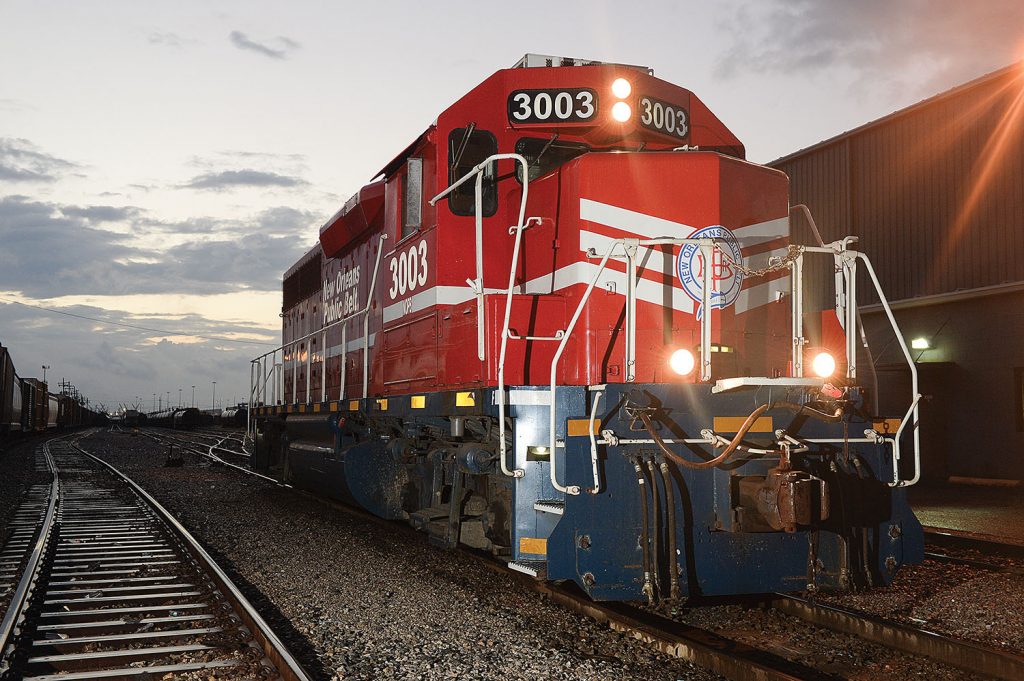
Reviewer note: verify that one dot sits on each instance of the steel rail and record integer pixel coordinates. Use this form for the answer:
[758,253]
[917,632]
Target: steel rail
[706,649]
[967,655]
[272,647]
[138,562]
[210,455]
[987,544]
[29,577]
[974,562]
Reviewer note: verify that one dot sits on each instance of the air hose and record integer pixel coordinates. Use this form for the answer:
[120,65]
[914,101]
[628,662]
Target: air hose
[748,423]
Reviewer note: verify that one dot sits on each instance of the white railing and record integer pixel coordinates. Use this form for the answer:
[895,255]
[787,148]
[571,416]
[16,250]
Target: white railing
[259,377]
[477,285]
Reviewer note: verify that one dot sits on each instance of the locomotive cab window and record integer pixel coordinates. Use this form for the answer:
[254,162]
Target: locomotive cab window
[467,147]
[412,197]
[545,154]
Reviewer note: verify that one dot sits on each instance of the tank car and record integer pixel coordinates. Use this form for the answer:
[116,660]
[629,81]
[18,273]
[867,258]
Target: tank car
[566,325]
[163,418]
[235,416]
[188,418]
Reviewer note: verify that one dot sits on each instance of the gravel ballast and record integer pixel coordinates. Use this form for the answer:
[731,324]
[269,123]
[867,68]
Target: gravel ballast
[17,473]
[355,601]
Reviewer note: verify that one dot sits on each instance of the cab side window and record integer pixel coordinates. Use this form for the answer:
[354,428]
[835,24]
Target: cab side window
[412,197]
[467,147]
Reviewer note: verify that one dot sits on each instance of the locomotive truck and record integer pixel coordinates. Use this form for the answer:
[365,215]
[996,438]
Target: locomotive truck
[566,325]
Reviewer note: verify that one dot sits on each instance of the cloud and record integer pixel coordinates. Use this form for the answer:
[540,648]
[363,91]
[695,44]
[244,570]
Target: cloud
[113,364]
[932,44]
[52,250]
[243,42]
[169,39]
[284,219]
[22,161]
[231,179]
[103,213]
[250,156]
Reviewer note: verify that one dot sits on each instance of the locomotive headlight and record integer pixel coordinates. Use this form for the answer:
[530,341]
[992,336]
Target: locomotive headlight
[682,361]
[621,112]
[621,88]
[823,364]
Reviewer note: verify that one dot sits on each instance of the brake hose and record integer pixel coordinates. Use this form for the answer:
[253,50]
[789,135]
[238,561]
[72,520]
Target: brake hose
[740,434]
[711,463]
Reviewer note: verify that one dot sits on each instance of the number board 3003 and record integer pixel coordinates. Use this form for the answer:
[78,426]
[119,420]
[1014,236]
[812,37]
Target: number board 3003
[664,117]
[572,105]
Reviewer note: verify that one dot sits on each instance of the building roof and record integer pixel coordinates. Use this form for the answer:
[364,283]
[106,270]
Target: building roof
[1012,69]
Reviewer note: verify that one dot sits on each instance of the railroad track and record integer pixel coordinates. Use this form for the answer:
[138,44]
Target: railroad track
[216,452]
[966,655]
[728,657]
[981,544]
[113,587]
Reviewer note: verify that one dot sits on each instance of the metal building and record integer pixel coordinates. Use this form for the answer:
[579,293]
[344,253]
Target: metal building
[935,193]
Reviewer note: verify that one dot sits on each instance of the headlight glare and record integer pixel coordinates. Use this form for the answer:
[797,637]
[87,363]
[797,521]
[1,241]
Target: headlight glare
[823,365]
[621,112]
[682,361]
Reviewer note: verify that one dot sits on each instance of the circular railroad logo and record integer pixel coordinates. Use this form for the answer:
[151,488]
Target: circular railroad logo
[726,279]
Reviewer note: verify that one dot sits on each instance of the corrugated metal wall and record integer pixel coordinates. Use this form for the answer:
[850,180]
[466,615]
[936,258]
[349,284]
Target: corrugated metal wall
[935,192]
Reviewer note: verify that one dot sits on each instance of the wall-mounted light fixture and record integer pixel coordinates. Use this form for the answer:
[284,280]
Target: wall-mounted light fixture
[920,344]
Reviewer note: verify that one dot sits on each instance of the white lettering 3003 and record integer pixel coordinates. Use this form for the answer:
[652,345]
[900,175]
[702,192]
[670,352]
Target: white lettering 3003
[408,270]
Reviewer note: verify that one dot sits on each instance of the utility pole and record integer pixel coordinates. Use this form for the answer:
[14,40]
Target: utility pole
[154,401]
[193,397]
[179,398]
[214,406]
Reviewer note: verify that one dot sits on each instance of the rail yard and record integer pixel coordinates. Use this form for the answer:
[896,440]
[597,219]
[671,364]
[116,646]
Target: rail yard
[570,387]
[376,599]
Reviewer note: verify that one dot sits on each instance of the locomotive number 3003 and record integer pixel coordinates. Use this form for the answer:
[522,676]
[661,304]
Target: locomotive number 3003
[408,270]
[572,105]
[664,117]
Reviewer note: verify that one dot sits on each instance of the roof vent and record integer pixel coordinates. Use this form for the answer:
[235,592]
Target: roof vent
[532,61]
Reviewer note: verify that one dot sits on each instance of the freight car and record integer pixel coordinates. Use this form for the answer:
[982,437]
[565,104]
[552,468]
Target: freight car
[182,418]
[10,396]
[235,417]
[566,325]
[26,405]
[134,417]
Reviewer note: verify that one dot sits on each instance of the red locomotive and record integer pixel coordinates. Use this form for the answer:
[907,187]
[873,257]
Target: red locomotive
[572,286]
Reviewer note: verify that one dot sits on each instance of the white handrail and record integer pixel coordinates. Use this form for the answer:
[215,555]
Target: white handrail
[912,412]
[293,343]
[707,247]
[598,394]
[847,302]
[478,284]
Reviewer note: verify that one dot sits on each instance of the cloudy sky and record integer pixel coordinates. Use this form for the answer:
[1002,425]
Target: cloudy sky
[162,163]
